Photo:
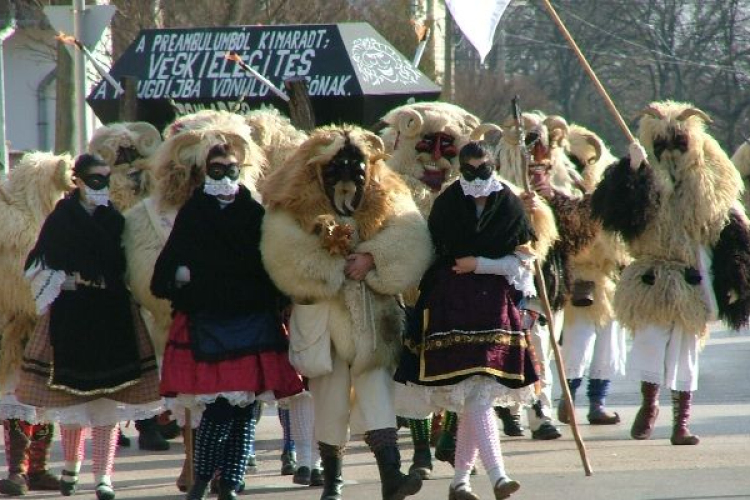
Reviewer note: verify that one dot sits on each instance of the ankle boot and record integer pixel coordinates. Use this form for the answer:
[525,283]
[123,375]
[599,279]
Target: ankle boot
[16,453]
[227,492]
[395,485]
[511,422]
[597,393]
[681,402]
[40,478]
[198,491]
[562,408]
[149,435]
[420,436]
[332,458]
[445,449]
[645,419]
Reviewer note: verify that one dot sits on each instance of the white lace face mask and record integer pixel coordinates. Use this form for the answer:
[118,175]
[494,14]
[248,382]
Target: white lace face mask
[97,197]
[480,187]
[222,187]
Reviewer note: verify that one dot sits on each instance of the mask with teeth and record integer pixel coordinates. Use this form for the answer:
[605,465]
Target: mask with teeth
[344,179]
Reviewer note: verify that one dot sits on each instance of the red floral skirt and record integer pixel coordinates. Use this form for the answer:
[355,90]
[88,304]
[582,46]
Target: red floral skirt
[258,372]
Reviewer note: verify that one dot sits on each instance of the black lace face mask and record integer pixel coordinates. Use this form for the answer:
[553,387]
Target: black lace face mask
[218,170]
[95,181]
[471,172]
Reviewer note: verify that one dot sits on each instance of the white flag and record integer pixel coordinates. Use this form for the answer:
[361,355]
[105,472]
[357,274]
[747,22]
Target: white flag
[478,21]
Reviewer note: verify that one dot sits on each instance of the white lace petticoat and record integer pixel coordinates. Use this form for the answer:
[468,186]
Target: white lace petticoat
[99,412]
[419,401]
[196,403]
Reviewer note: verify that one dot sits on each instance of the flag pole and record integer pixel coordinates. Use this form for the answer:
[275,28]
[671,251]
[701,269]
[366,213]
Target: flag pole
[587,67]
[544,299]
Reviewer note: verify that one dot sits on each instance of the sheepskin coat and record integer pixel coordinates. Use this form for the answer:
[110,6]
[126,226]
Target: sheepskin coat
[366,320]
[604,257]
[671,212]
[27,197]
[178,169]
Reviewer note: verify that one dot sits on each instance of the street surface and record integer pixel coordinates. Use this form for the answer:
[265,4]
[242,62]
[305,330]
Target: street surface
[623,469]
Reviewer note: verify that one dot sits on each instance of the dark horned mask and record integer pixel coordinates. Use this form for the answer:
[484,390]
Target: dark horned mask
[344,179]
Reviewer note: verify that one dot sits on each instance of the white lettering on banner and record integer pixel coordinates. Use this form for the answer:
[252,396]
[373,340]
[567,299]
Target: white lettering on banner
[192,64]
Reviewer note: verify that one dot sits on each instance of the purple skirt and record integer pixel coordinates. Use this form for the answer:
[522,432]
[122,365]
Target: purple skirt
[467,325]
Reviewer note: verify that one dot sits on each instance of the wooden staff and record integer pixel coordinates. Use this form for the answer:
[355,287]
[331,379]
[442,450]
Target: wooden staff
[189,472]
[234,56]
[587,67]
[74,42]
[546,307]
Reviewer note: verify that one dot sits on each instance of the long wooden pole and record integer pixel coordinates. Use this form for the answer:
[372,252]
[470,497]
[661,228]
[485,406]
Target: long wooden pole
[546,307]
[189,447]
[587,67]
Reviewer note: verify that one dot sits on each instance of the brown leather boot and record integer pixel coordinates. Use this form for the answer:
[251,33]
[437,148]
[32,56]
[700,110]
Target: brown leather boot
[645,419]
[681,402]
[40,478]
[16,455]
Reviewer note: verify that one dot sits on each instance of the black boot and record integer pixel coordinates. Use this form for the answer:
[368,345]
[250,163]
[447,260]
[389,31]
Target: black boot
[395,485]
[149,435]
[227,492]
[332,457]
[198,491]
[420,435]
[511,422]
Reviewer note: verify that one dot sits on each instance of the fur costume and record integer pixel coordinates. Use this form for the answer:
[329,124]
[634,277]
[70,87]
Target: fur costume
[27,197]
[276,136]
[601,260]
[741,160]
[407,126]
[682,205]
[387,225]
[126,148]
[179,168]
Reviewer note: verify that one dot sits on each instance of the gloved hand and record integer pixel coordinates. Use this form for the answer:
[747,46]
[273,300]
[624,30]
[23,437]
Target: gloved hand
[637,155]
[69,283]
[182,276]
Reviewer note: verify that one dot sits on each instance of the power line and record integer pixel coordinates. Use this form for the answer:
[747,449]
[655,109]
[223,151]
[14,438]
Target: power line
[687,62]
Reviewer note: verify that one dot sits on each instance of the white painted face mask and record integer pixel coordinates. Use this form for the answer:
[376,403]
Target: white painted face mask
[480,187]
[97,197]
[222,187]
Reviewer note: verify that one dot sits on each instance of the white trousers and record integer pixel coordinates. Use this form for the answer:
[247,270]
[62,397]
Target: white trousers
[600,349]
[361,402]
[666,356]
[544,353]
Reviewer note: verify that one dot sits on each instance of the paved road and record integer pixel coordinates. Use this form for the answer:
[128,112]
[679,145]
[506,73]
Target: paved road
[623,469]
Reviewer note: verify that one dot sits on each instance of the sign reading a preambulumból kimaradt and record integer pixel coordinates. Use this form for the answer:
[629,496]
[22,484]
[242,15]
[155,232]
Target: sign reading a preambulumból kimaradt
[353,74]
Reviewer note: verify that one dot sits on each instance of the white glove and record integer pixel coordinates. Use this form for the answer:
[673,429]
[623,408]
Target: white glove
[69,283]
[637,154]
[182,276]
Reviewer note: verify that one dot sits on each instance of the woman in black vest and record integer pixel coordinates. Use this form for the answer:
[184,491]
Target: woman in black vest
[226,348]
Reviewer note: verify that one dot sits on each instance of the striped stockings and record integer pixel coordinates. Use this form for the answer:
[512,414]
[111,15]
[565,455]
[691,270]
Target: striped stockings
[478,434]
[302,420]
[104,441]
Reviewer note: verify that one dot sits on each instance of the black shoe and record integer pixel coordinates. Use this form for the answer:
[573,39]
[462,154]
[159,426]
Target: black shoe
[227,492]
[198,491]
[422,462]
[105,491]
[170,431]
[316,477]
[149,437]
[288,463]
[302,476]
[511,423]
[122,439]
[546,432]
[395,485]
[68,488]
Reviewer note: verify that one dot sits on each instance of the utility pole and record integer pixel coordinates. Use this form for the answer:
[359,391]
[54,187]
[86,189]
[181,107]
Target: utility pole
[79,71]
[5,33]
